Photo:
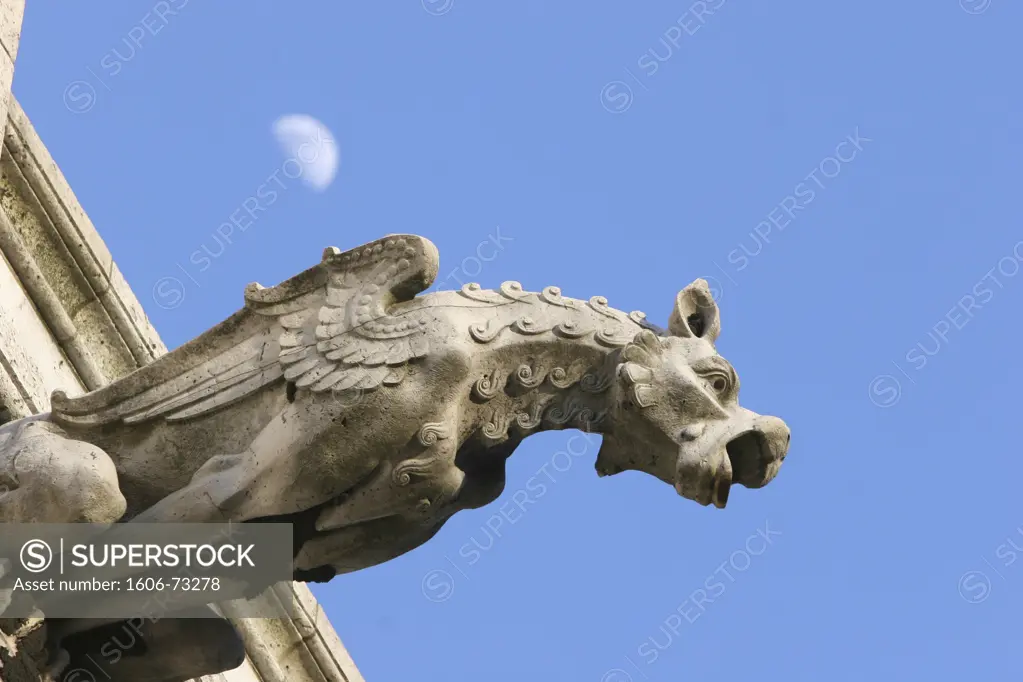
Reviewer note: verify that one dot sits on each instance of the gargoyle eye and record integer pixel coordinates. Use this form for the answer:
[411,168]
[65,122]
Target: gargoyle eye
[718,376]
[719,382]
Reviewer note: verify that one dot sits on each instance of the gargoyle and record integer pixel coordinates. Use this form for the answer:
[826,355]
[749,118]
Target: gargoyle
[367,415]
[341,391]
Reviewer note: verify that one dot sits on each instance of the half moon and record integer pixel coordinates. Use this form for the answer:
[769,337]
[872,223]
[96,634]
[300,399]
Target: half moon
[311,144]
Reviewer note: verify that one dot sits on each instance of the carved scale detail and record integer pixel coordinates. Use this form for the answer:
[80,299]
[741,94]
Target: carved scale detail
[488,386]
[596,383]
[545,409]
[617,332]
[531,419]
[528,378]
[496,429]
[571,410]
[432,432]
[416,468]
[559,378]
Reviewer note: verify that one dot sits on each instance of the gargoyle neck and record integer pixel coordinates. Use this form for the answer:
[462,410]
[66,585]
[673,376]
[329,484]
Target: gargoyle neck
[529,387]
[545,394]
[542,361]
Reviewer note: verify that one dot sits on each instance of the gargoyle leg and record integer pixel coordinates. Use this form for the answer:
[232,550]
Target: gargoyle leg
[423,479]
[47,477]
[270,478]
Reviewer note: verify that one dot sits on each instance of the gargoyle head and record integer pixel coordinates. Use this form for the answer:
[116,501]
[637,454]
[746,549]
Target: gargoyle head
[677,415]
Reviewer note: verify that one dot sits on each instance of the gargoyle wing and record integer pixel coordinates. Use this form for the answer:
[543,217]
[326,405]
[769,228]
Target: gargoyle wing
[356,340]
[335,327]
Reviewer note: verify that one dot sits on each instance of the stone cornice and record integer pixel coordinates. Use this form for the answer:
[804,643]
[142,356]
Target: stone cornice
[68,250]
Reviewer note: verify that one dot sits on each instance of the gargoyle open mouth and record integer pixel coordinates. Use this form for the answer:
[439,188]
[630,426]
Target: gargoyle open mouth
[745,460]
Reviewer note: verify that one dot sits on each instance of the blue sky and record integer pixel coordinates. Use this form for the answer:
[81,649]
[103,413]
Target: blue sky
[844,174]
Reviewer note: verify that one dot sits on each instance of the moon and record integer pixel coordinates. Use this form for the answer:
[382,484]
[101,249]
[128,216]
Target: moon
[309,143]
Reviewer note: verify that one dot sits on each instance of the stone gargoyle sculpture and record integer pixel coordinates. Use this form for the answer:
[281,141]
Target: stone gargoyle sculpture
[366,415]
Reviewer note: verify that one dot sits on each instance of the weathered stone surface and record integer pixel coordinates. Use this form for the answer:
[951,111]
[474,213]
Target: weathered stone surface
[11,13]
[367,416]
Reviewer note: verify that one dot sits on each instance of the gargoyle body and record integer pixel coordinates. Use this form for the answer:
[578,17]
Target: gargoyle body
[367,415]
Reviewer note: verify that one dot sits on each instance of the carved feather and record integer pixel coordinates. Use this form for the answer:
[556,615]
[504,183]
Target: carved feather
[331,328]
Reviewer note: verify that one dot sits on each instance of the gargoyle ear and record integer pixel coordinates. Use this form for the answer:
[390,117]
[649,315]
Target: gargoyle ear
[695,313]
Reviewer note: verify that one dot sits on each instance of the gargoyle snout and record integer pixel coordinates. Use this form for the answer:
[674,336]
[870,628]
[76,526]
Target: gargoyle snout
[756,454]
[747,449]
